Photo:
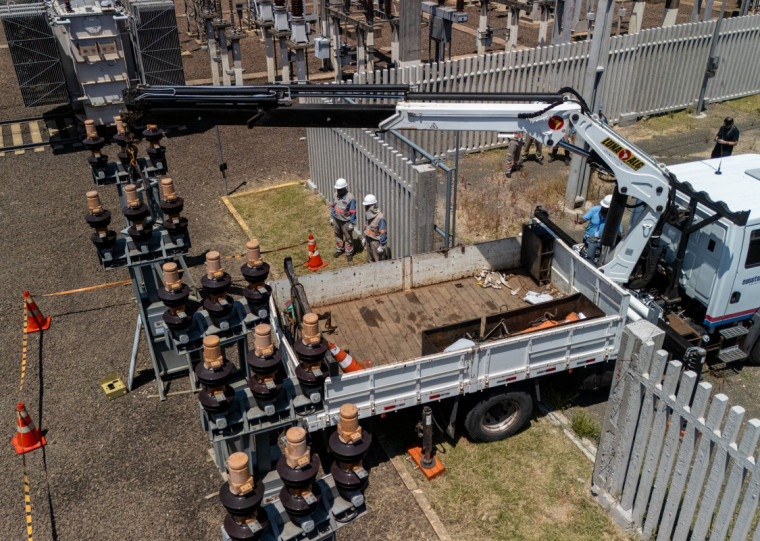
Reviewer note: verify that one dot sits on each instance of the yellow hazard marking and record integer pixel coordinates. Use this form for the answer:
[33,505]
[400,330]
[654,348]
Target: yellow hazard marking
[27,501]
[34,132]
[16,135]
[23,351]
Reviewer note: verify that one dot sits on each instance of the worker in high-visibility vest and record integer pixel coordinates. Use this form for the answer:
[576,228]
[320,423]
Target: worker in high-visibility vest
[375,230]
[343,219]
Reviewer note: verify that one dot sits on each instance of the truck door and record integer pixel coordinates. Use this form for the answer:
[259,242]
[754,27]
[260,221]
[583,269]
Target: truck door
[744,298]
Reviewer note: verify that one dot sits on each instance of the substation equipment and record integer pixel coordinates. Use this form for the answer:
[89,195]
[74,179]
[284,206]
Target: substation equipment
[243,408]
[83,53]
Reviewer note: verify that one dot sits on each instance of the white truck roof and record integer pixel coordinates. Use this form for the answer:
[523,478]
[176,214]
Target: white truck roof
[738,186]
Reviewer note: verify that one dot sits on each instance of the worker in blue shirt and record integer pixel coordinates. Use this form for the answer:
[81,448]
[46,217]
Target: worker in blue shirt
[596,218]
[375,230]
[343,219]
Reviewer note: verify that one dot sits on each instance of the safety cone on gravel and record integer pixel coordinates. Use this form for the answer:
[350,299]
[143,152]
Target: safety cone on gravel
[315,260]
[27,438]
[36,322]
[346,362]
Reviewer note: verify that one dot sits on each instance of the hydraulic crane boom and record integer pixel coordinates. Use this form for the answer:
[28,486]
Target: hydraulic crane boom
[546,117]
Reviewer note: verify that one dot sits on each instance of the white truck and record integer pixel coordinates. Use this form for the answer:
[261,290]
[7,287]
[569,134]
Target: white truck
[689,261]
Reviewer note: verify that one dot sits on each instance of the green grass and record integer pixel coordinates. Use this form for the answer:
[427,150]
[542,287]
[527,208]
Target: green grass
[282,218]
[532,486]
[585,427]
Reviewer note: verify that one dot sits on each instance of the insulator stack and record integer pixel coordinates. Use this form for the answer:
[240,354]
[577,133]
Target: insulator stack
[298,469]
[215,284]
[441,2]
[279,3]
[256,271]
[460,5]
[94,143]
[311,349]
[296,8]
[156,152]
[387,11]
[369,10]
[213,373]
[99,219]
[349,445]
[241,496]
[265,364]
[172,205]
[174,295]
[346,5]
[136,212]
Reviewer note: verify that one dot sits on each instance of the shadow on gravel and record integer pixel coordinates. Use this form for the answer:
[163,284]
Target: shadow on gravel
[95,309]
[40,402]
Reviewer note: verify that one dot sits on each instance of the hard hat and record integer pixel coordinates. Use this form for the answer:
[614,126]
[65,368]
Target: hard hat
[369,199]
[606,202]
[341,183]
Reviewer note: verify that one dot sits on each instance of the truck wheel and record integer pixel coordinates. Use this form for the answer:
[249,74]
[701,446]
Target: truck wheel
[754,354]
[498,416]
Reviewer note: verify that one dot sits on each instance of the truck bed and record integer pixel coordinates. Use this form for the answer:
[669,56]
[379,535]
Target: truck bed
[387,328]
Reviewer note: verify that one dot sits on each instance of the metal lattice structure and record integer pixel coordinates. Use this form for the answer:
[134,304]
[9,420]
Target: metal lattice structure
[35,54]
[156,42]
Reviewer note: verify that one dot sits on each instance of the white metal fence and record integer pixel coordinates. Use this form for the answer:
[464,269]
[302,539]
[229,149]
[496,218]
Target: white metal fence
[663,465]
[372,166]
[654,71]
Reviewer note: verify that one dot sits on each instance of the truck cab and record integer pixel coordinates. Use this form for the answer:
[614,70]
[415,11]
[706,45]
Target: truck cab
[719,278]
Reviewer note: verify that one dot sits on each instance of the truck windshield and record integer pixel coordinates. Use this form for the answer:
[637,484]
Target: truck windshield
[753,252]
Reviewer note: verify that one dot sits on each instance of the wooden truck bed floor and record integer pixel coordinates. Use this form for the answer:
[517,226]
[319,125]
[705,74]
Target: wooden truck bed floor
[387,328]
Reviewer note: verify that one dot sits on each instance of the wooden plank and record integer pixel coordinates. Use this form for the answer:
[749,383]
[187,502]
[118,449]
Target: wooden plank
[404,347]
[18,140]
[34,131]
[365,334]
[699,470]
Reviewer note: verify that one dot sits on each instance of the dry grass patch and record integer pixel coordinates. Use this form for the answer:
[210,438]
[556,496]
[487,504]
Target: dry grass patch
[532,486]
[281,219]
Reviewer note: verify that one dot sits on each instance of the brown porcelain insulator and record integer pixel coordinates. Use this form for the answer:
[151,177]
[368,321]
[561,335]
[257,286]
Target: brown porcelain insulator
[130,190]
[387,5]
[296,8]
[213,265]
[254,253]
[92,131]
[460,5]
[172,280]
[212,352]
[240,479]
[296,450]
[93,203]
[310,331]
[262,340]
[349,430]
[167,189]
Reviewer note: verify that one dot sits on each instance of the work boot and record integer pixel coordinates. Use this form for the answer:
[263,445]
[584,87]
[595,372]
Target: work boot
[509,175]
[349,257]
[540,160]
[337,254]
[552,158]
[567,161]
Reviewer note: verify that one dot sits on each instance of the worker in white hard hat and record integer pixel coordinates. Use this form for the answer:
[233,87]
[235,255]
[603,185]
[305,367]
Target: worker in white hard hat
[596,218]
[375,230]
[343,219]
[513,154]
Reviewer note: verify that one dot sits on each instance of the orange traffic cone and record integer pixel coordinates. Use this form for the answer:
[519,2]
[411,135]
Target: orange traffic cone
[27,438]
[346,362]
[36,322]
[315,260]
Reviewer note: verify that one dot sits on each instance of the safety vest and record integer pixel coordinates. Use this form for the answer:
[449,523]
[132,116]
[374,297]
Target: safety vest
[342,212]
[372,228]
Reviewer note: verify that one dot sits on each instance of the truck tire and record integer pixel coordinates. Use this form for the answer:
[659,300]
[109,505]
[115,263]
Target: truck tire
[754,354]
[498,416]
